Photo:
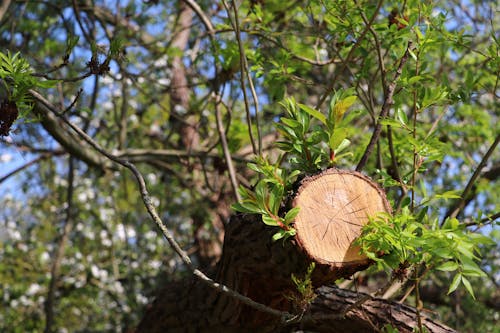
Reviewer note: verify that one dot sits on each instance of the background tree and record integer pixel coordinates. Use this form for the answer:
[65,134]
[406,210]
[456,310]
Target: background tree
[190,93]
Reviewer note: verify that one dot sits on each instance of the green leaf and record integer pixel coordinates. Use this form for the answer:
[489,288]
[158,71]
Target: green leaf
[481,239]
[406,202]
[342,106]
[260,192]
[417,30]
[246,207]
[391,122]
[454,283]
[468,287]
[465,249]
[449,195]
[279,235]
[314,113]
[269,220]
[448,266]
[47,83]
[451,223]
[291,214]
[401,117]
[413,55]
[290,122]
[337,138]
[470,268]
[343,145]
[273,203]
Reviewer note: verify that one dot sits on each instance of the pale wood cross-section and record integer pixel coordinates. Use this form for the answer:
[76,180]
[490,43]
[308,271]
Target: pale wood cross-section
[334,205]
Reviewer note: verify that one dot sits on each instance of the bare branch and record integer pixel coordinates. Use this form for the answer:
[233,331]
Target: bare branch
[388,102]
[24,166]
[59,253]
[460,204]
[146,198]
[72,144]
[346,61]
[225,148]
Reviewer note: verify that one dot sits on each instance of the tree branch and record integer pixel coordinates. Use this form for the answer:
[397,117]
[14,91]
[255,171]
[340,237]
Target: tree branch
[59,253]
[388,102]
[460,204]
[24,166]
[73,145]
[146,198]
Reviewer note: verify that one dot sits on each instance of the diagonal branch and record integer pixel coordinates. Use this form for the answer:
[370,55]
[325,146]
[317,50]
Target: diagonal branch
[388,102]
[460,204]
[26,165]
[346,61]
[72,144]
[146,198]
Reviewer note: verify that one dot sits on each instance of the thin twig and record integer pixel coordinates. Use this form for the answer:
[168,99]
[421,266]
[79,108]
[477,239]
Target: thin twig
[485,221]
[243,64]
[225,148]
[59,253]
[388,102]
[378,47]
[366,297]
[460,204]
[24,166]
[350,54]
[146,198]
[218,100]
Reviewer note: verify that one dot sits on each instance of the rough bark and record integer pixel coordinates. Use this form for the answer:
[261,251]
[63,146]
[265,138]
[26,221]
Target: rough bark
[261,269]
[263,274]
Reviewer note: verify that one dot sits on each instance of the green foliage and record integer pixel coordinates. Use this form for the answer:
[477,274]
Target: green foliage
[267,197]
[444,119]
[304,286]
[17,80]
[305,290]
[314,147]
[399,241]
[305,147]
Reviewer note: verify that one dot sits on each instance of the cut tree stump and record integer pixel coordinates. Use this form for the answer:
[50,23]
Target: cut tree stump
[334,205]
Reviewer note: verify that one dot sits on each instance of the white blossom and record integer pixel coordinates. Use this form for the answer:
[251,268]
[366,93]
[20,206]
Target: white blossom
[105,214]
[107,242]
[141,299]
[150,235]
[33,289]
[120,232]
[155,264]
[164,81]
[161,62]
[14,234]
[4,158]
[101,274]
[118,287]
[155,201]
[152,178]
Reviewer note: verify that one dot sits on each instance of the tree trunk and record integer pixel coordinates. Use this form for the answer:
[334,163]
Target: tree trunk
[333,207]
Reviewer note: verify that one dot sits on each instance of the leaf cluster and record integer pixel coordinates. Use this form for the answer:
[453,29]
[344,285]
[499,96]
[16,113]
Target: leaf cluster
[268,195]
[399,241]
[17,79]
[315,146]
[305,290]
[308,148]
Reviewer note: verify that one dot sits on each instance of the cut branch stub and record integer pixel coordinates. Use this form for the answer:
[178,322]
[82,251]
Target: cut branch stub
[334,205]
